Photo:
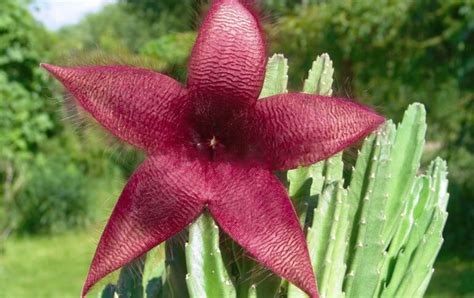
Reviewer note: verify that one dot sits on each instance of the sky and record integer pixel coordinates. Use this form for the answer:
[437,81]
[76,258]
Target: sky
[57,13]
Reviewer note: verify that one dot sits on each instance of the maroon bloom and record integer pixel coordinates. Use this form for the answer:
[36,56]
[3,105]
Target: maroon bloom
[213,145]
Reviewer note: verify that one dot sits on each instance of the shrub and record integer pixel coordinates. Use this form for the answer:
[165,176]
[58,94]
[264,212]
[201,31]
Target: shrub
[54,199]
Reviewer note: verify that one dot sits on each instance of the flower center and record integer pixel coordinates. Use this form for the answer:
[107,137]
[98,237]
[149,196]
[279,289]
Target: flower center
[213,142]
[218,133]
[210,145]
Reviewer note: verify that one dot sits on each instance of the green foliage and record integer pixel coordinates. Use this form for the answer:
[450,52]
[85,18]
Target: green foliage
[276,80]
[24,123]
[172,51]
[43,160]
[165,16]
[54,198]
[22,43]
[27,114]
[111,29]
[115,36]
[171,48]
[130,283]
[207,276]
[390,54]
[359,227]
[379,237]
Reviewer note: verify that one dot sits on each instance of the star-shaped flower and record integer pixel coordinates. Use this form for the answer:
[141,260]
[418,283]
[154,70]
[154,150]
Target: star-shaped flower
[212,145]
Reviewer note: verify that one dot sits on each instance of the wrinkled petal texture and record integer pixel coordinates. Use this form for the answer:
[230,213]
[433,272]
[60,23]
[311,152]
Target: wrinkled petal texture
[254,209]
[228,60]
[160,199]
[231,144]
[139,106]
[168,192]
[299,129]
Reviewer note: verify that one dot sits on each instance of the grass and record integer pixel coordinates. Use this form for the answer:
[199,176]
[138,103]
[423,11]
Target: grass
[56,266]
[47,266]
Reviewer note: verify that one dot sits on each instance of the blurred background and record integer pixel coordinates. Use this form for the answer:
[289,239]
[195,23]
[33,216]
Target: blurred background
[60,174]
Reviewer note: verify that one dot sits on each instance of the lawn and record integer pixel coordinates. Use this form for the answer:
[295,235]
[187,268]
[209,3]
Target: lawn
[47,266]
[56,266]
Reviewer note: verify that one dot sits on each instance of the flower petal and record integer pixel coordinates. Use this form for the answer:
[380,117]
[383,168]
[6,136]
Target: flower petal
[159,200]
[299,129]
[228,60]
[253,208]
[139,106]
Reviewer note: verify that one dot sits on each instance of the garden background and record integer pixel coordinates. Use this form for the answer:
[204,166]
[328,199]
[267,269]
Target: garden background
[60,174]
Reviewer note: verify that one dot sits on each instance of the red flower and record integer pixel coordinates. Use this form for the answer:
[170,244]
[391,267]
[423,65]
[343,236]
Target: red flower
[213,145]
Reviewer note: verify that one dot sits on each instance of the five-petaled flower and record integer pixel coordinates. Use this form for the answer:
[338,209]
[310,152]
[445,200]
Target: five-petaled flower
[211,145]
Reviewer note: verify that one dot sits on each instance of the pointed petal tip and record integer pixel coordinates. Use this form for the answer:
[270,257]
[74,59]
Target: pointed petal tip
[314,293]
[373,117]
[47,66]
[231,34]
[52,69]
[312,288]
[87,286]
[378,119]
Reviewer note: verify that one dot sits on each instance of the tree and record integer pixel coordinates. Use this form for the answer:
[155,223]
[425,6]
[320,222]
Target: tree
[27,113]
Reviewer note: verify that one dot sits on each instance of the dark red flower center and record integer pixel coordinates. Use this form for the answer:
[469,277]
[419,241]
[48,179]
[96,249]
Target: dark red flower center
[220,134]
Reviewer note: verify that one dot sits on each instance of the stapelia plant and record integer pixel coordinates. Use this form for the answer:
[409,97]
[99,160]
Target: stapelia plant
[212,146]
[375,235]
